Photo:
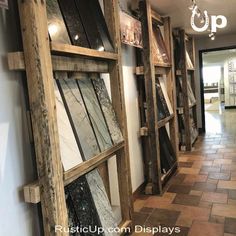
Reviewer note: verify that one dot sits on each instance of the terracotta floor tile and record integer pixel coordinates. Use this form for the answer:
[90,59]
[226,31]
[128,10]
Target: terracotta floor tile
[222,162]
[206,229]
[140,218]
[212,181]
[207,187]
[228,167]
[155,201]
[146,210]
[233,175]
[138,204]
[217,219]
[232,194]
[226,234]
[196,193]
[178,188]
[221,176]
[230,225]
[195,178]
[224,210]
[214,197]
[187,200]
[163,216]
[193,171]
[185,164]
[204,204]
[210,169]
[227,184]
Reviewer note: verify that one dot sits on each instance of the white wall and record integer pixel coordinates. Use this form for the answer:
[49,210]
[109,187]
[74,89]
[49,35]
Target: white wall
[16,217]
[206,43]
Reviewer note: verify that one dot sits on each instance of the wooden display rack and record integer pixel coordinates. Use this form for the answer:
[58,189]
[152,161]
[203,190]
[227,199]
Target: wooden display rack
[186,44]
[39,59]
[150,125]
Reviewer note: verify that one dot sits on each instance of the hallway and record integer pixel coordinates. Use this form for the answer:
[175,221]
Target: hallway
[201,198]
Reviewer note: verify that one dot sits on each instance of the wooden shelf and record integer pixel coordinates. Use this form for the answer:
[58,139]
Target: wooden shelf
[163,122]
[66,49]
[186,44]
[167,65]
[159,70]
[39,59]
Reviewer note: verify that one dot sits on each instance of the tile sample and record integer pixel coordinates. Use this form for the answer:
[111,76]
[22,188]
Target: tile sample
[79,117]
[70,153]
[56,26]
[90,25]
[178,188]
[73,23]
[95,113]
[81,205]
[227,184]
[101,201]
[215,197]
[108,110]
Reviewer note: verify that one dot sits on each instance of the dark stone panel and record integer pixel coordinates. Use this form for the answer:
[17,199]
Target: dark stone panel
[73,23]
[56,26]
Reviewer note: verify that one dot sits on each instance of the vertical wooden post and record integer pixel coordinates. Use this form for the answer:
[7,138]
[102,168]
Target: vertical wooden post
[150,88]
[171,89]
[43,111]
[185,92]
[118,100]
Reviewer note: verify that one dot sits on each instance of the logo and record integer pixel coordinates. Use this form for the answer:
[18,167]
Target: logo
[217,22]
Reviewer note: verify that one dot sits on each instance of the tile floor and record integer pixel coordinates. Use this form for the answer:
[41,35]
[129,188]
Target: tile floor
[201,198]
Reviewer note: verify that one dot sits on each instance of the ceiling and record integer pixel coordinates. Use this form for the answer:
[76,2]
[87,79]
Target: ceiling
[180,14]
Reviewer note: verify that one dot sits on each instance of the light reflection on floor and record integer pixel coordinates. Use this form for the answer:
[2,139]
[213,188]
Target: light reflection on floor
[225,122]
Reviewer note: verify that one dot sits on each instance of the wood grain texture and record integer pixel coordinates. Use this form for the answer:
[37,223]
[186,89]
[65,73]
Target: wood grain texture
[16,61]
[153,154]
[111,10]
[42,103]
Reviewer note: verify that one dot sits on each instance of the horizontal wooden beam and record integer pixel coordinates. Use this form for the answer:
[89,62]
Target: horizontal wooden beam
[89,165]
[159,69]
[156,17]
[81,51]
[32,191]
[59,63]
[163,122]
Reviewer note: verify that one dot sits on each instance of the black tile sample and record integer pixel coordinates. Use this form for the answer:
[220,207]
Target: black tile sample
[81,206]
[79,118]
[163,110]
[56,26]
[73,23]
[94,24]
[108,110]
[95,113]
[168,157]
[101,24]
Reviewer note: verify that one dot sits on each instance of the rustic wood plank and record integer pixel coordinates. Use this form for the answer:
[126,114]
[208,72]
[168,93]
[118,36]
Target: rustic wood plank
[156,17]
[34,30]
[118,100]
[16,61]
[67,49]
[153,157]
[171,85]
[163,122]
[159,70]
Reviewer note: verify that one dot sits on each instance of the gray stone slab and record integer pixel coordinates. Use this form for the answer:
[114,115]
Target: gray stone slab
[108,110]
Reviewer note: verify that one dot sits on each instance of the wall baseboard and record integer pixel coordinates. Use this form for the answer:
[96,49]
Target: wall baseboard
[230,107]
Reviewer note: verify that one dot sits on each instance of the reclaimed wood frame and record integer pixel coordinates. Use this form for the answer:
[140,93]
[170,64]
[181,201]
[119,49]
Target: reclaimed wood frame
[183,71]
[39,58]
[150,130]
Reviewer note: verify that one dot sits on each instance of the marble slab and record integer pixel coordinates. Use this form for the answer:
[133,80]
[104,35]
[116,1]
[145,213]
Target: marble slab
[90,25]
[73,23]
[101,201]
[95,113]
[108,110]
[79,117]
[56,26]
[81,207]
[70,153]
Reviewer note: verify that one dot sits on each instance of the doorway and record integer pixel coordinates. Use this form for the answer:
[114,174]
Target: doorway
[218,85]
